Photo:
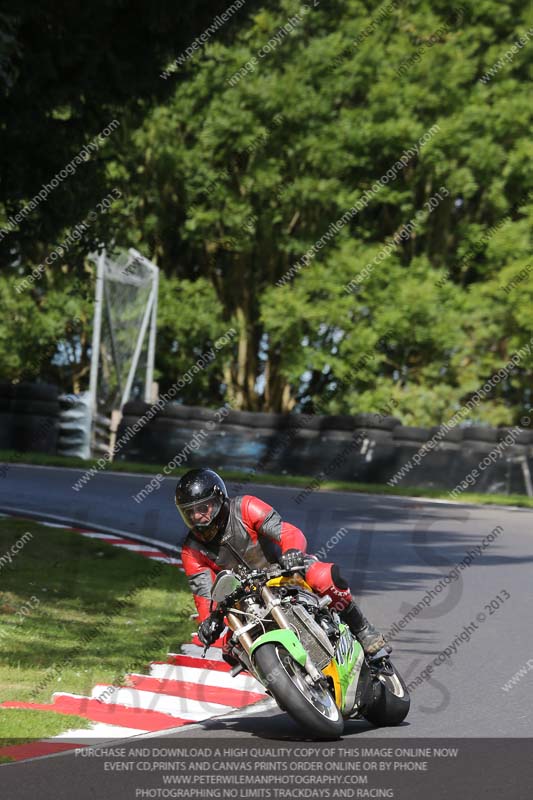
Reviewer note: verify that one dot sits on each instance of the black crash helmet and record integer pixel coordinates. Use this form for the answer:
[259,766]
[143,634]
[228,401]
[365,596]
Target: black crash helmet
[202,500]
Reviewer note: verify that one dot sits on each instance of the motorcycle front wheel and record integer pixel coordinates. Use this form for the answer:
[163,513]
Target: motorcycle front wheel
[310,705]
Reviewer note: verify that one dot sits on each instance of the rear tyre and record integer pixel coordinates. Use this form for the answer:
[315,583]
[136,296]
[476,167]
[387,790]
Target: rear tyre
[391,701]
[311,706]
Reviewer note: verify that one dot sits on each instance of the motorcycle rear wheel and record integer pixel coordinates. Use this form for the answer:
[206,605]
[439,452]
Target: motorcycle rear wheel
[310,705]
[391,701]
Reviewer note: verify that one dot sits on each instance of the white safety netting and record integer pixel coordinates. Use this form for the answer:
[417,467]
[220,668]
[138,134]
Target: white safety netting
[125,319]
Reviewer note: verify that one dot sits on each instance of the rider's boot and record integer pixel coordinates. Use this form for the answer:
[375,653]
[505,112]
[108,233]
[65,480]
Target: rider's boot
[369,637]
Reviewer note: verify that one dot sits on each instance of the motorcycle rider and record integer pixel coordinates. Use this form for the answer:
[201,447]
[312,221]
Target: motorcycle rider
[225,532]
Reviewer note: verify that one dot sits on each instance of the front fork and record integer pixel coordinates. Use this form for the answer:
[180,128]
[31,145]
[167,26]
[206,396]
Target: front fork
[273,607]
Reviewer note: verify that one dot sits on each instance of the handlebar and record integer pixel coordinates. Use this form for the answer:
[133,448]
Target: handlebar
[275,571]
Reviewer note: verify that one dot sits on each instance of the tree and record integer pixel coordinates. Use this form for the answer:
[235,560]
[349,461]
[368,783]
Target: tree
[73,78]
[276,135]
[353,186]
[45,330]
[68,70]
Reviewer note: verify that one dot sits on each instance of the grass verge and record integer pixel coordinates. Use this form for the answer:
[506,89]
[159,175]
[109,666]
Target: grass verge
[245,477]
[17,722]
[75,612]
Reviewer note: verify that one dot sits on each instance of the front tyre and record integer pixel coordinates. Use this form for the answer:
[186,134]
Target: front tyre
[310,705]
[391,702]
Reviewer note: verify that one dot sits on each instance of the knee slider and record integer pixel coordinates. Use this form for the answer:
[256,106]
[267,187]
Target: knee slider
[337,578]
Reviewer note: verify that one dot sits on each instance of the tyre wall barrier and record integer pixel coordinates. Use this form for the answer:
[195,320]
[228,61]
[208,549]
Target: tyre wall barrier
[7,391]
[35,418]
[366,448]
[6,430]
[35,422]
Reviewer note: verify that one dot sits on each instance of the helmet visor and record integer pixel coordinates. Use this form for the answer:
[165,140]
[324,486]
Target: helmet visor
[199,514]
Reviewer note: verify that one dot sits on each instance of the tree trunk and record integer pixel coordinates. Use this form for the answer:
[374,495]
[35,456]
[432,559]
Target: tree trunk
[278,392]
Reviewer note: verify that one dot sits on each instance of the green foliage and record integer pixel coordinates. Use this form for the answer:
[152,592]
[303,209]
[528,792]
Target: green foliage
[189,323]
[45,327]
[276,132]
[66,71]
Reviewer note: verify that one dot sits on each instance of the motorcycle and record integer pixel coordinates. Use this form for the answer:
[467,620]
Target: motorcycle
[294,642]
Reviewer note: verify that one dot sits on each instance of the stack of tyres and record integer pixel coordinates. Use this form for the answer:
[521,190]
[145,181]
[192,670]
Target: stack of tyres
[443,466]
[170,432]
[478,441]
[130,444]
[430,457]
[75,425]
[338,447]
[376,449]
[322,446]
[6,416]
[35,418]
[190,436]
[522,439]
[487,459]
[411,435]
[290,447]
[249,440]
[154,436]
[517,455]
[479,437]
[408,442]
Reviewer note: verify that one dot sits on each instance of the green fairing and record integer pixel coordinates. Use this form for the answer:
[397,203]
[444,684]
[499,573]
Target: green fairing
[287,639]
[346,667]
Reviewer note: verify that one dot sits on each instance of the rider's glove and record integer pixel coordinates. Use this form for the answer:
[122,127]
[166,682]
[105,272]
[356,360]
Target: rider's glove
[292,558]
[211,628]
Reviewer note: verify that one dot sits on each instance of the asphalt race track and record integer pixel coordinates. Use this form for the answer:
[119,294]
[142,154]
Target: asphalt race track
[394,551]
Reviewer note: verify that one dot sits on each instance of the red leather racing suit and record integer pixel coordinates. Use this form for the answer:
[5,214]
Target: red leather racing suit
[257,532]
